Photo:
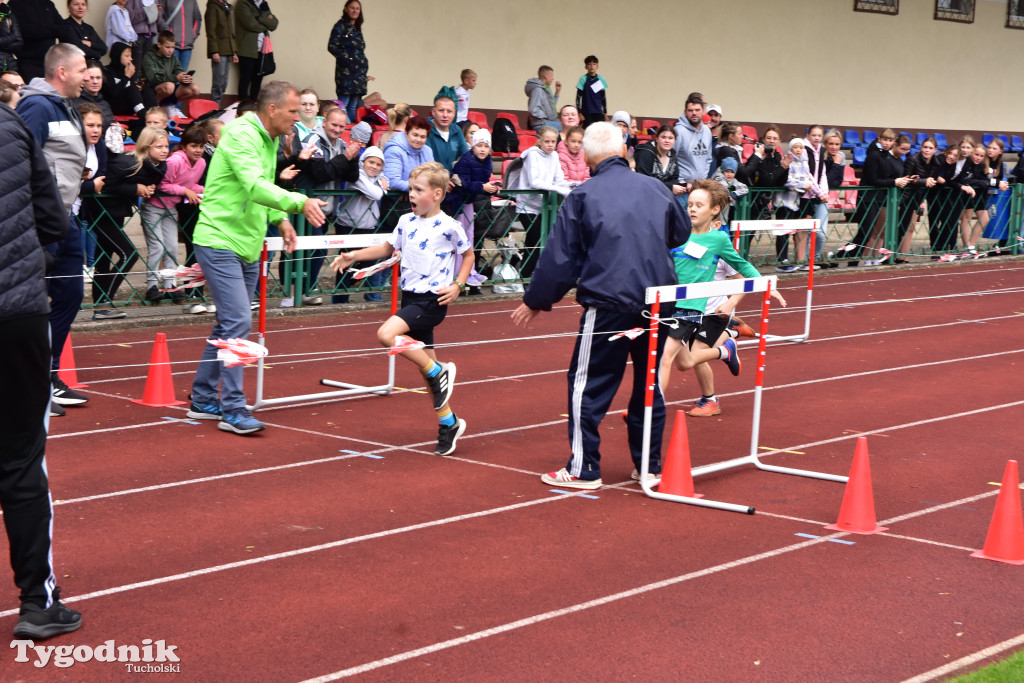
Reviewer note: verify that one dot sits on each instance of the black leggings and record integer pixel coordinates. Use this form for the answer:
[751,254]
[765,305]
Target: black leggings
[112,241]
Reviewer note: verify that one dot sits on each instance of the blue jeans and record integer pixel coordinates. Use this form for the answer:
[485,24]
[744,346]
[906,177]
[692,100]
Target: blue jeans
[64,283]
[184,56]
[557,125]
[232,282]
[350,103]
[219,78]
[821,215]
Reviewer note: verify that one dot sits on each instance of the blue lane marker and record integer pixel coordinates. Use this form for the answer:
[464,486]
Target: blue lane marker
[581,495]
[352,452]
[831,540]
[178,419]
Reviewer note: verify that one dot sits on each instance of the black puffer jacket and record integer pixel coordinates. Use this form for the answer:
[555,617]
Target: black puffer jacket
[10,39]
[31,214]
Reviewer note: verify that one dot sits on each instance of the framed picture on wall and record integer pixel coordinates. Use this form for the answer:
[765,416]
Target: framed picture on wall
[880,6]
[1015,14]
[955,10]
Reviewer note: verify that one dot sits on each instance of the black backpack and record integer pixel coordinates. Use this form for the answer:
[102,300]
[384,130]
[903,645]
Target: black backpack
[504,139]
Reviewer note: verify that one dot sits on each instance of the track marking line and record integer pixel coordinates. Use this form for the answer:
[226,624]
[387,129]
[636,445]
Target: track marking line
[969,660]
[777,450]
[578,495]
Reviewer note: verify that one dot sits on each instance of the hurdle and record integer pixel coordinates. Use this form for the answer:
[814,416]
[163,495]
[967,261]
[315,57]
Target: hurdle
[655,296]
[305,243]
[784,227]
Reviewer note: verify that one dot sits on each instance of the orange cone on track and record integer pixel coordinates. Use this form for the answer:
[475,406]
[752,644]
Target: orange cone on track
[675,473]
[159,385]
[857,514]
[1005,540]
[67,371]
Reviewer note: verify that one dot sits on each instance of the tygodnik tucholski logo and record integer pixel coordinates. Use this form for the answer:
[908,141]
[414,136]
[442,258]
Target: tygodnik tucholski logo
[149,657]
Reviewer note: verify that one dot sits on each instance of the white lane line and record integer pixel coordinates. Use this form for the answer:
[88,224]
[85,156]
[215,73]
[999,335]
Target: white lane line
[311,549]
[963,662]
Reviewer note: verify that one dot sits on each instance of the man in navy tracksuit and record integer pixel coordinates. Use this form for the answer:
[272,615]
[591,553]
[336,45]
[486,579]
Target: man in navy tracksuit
[611,241]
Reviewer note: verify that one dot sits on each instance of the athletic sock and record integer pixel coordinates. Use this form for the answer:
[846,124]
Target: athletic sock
[447,418]
[712,397]
[723,352]
[432,370]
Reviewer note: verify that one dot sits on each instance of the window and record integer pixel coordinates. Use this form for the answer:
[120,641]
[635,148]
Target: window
[880,6]
[955,10]
[1015,14]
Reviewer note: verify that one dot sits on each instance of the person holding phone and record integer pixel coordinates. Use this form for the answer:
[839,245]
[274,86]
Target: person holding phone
[165,75]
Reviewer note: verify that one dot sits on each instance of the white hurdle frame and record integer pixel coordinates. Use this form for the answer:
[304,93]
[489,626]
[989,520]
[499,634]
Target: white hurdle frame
[780,227]
[655,296]
[305,243]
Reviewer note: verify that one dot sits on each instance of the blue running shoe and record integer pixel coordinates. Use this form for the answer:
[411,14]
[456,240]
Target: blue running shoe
[240,421]
[205,411]
[733,358]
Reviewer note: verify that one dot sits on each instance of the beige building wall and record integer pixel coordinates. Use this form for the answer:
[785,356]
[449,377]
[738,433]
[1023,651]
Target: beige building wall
[761,60]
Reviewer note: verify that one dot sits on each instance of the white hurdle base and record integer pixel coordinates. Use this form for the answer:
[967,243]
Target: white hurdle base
[784,227]
[346,389]
[655,296]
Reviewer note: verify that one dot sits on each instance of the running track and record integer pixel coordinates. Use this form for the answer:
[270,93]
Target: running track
[335,544]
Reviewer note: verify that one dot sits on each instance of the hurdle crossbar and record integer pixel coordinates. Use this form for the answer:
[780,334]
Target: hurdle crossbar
[655,296]
[784,227]
[305,243]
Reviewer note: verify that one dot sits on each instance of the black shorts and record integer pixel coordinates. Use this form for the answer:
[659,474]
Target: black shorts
[980,200]
[711,328]
[688,322]
[422,314]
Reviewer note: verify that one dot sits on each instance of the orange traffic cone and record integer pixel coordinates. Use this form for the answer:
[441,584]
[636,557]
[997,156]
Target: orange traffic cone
[1005,540]
[67,371]
[675,474]
[159,385]
[857,514]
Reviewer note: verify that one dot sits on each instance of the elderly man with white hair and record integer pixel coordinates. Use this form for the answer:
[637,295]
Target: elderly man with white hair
[611,240]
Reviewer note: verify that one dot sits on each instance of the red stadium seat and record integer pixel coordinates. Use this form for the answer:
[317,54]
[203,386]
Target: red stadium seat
[197,107]
[750,132]
[514,118]
[480,119]
[650,123]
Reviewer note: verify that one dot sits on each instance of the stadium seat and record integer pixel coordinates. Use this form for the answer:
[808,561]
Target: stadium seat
[198,107]
[748,149]
[1005,140]
[849,196]
[987,139]
[527,139]
[479,118]
[346,136]
[375,137]
[869,137]
[834,202]
[940,140]
[910,136]
[920,138]
[360,113]
[647,124]
[851,138]
[514,118]
[1016,144]
[751,132]
[859,155]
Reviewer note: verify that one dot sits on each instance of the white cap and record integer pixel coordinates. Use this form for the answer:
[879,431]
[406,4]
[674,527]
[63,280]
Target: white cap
[622,116]
[480,135]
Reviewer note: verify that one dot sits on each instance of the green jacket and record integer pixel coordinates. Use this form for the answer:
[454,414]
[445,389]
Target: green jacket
[249,23]
[220,29]
[240,196]
[157,69]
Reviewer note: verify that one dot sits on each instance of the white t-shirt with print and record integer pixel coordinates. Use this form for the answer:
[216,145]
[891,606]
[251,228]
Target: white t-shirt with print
[428,247]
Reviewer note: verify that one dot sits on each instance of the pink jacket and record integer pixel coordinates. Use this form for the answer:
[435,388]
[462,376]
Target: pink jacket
[574,168]
[180,175]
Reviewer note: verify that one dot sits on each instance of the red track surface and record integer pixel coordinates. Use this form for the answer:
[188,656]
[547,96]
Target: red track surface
[281,557]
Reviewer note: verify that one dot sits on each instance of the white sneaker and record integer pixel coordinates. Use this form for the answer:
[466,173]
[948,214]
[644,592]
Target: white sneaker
[312,300]
[211,307]
[288,302]
[254,306]
[88,272]
[651,476]
[563,479]
[195,308]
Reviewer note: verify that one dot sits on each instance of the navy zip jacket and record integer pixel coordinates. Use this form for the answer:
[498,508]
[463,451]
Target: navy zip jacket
[611,240]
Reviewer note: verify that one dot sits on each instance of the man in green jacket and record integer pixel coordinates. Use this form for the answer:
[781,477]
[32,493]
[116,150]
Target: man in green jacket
[240,198]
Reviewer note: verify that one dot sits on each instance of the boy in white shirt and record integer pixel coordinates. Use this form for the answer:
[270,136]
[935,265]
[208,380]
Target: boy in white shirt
[429,241]
[468,78]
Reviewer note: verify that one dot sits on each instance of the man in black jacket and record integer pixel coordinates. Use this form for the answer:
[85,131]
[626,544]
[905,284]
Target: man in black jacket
[41,25]
[25,374]
[611,241]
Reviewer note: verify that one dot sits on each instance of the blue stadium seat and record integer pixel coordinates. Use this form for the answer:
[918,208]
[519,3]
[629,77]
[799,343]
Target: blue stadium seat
[869,137]
[987,138]
[859,156]
[1005,140]
[920,138]
[940,139]
[851,138]
[1016,144]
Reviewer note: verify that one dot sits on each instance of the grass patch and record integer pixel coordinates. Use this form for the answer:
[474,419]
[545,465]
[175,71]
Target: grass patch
[1010,669]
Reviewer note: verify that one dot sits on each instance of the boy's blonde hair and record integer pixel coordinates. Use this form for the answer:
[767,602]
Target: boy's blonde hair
[159,111]
[466,75]
[434,173]
[718,196]
[887,134]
